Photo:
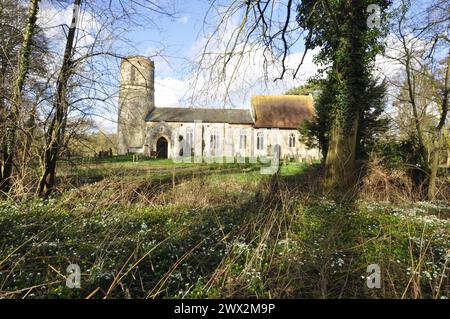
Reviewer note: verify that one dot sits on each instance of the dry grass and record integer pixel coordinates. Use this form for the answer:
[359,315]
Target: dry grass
[388,185]
[395,185]
[200,190]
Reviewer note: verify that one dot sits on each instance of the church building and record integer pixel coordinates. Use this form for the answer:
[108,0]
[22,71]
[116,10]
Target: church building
[171,132]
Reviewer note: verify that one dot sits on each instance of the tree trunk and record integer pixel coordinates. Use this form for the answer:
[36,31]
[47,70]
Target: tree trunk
[412,100]
[3,98]
[55,132]
[434,163]
[448,158]
[350,75]
[29,132]
[340,162]
[13,117]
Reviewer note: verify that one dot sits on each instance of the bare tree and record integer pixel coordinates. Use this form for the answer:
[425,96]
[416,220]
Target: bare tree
[56,130]
[422,35]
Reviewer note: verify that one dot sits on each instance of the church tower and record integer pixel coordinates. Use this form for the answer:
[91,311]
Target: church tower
[136,99]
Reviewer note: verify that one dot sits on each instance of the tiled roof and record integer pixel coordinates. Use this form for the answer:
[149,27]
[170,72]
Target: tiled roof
[206,115]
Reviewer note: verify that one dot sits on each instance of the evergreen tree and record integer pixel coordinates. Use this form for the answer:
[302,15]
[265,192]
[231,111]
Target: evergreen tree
[341,30]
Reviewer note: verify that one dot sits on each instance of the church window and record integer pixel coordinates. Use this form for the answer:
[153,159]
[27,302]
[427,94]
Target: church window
[260,141]
[243,140]
[189,137]
[214,140]
[291,140]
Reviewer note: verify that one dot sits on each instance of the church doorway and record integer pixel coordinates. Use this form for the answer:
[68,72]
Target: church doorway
[162,148]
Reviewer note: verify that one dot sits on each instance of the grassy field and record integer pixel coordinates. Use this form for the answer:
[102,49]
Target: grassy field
[156,229]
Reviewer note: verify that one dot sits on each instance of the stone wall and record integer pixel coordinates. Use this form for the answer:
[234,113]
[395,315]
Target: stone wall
[228,143]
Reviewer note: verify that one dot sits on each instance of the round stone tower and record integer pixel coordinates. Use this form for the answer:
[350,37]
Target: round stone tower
[136,99]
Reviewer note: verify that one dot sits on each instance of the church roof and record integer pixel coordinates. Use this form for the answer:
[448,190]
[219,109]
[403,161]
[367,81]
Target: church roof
[206,115]
[284,111]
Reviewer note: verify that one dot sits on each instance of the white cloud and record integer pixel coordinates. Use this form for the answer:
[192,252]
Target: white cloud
[386,65]
[170,92]
[184,19]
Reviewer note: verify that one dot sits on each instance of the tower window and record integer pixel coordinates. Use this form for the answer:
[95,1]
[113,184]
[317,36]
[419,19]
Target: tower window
[291,140]
[133,74]
[260,141]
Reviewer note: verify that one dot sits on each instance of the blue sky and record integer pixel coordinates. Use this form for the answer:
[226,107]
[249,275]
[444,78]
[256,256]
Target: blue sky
[174,35]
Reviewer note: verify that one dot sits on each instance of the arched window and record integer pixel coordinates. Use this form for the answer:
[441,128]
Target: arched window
[243,139]
[260,141]
[189,138]
[214,140]
[292,140]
